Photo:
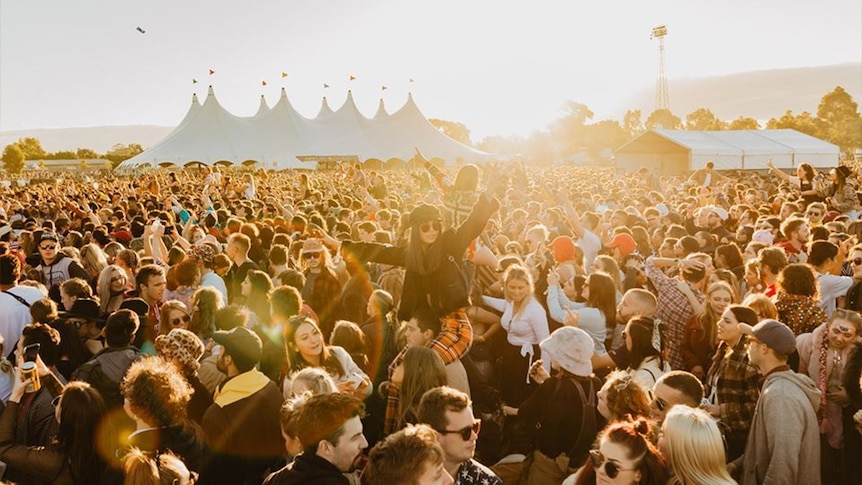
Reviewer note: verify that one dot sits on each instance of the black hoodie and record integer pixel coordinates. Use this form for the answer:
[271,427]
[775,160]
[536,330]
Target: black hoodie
[308,469]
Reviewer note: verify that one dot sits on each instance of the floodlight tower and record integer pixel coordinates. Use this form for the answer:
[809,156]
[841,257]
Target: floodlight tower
[662,98]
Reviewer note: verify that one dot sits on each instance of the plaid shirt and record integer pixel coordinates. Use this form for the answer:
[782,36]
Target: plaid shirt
[324,299]
[674,310]
[452,343]
[734,384]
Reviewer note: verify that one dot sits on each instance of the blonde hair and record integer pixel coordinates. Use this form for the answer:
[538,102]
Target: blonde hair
[517,272]
[317,380]
[693,446]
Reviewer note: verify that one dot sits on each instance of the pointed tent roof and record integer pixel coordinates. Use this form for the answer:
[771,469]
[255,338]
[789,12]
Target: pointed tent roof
[263,108]
[381,113]
[275,137]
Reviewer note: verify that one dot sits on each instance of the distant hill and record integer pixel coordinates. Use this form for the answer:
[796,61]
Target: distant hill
[758,94]
[98,138]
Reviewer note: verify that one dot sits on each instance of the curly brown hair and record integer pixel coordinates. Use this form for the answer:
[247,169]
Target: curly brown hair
[798,279]
[157,392]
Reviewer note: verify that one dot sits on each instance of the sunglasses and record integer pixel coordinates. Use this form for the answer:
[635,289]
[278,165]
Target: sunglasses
[184,319]
[611,469]
[856,261]
[660,404]
[310,255]
[49,247]
[428,226]
[467,432]
[814,214]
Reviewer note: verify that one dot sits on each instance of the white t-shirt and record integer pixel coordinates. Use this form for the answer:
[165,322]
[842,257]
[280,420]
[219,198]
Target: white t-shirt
[832,287]
[14,315]
[590,244]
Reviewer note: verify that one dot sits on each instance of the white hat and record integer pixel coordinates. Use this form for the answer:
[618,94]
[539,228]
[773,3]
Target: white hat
[571,348]
[720,212]
[763,236]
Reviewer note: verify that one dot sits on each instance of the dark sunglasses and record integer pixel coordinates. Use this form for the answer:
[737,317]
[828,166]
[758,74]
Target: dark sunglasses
[467,432]
[611,469]
[48,247]
[184,319]
[814,214]
[310,255]
[428,226]
[856,261]
[661,405]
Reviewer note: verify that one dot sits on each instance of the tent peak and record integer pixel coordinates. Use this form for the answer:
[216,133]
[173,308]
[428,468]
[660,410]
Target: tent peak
[283,93]
[210,91]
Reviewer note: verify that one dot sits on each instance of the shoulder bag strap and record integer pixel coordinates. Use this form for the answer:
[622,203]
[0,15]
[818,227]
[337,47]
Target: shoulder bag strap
[20,300]
[588,417]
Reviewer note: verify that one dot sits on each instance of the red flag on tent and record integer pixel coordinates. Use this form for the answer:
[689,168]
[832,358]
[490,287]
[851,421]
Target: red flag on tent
[325,85]
[383,88]
[352,77]
[212,72]
[283,74]
[263,83]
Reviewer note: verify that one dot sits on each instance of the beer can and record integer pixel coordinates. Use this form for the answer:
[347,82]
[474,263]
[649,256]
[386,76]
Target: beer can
[28,371]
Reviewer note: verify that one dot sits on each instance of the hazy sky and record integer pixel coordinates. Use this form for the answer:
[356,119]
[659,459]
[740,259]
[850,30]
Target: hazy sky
[500,67]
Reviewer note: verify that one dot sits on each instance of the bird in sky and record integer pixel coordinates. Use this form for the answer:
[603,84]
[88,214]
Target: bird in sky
[141,30]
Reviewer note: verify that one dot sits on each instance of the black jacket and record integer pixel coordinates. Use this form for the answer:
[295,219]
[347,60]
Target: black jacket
[445,288]
[308,469]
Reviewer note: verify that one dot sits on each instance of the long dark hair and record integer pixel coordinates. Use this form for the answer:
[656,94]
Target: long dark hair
[295,362]
[603,295]
[82,415]
[640,330]
[420,260]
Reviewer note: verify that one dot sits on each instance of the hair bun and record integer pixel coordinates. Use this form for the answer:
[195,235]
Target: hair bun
[642,426]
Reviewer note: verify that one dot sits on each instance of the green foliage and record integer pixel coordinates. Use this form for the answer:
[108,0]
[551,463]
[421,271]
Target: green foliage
[633,123]
[453,129]
[32,148]
[703,120]
[86,153]
[663,118]
[13,158]
[842,124]
[744,123]
[120,152]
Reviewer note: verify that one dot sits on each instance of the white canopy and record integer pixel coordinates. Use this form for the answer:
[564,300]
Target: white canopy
[673,151]
[275,137]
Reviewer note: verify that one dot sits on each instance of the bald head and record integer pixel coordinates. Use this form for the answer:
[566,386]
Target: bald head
[636,302]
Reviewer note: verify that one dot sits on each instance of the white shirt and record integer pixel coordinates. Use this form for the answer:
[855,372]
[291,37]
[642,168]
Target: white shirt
[832,287]
[590,244]
[14,315]
[524,330]
[213,280]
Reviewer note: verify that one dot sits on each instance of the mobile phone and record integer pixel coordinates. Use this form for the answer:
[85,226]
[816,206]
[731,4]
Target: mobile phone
[31,352]
[356,379]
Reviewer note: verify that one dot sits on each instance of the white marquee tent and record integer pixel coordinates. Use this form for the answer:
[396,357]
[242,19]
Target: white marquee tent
[676,152]
[279,137]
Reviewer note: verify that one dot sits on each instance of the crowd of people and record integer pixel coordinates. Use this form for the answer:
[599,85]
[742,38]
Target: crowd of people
[486,325]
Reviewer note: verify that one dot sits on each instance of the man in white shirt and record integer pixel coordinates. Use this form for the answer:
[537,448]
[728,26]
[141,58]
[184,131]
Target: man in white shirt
[827,258]
[15,301]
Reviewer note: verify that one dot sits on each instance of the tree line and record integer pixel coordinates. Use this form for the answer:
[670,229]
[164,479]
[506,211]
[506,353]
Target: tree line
[16,155]
[574,135]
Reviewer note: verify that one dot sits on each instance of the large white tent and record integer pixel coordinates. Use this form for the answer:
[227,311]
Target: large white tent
[677,152]
[279,137]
